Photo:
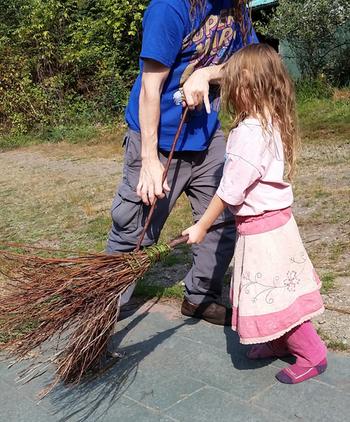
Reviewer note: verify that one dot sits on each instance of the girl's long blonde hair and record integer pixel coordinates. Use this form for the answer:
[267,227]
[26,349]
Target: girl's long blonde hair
[256,83]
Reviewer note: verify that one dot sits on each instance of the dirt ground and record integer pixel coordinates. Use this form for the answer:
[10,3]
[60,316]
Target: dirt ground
[60,195]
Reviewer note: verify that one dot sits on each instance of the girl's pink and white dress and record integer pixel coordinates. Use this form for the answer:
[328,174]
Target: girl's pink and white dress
[274,286]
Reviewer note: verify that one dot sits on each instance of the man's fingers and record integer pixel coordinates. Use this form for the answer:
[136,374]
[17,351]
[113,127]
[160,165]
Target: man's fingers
[151,194]
[142,192]
[187,233]
[190,100]
[150,183]
[144,196]
[159,190]
[198,98]
[166,186]
[207,102]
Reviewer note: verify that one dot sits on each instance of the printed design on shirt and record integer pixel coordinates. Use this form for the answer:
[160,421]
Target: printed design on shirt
[213,42]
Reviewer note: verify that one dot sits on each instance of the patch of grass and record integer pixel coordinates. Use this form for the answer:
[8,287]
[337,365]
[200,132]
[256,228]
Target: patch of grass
[337,345]
[97,230]
[179,219]
[60,194]
[333,344]
[20,331]
[15,141]
[320,193]
[328,282]
[307,89]
[338,249]
[319,118]
[83,132]
[152,290]
[72,134]
[175,259]
[324,119]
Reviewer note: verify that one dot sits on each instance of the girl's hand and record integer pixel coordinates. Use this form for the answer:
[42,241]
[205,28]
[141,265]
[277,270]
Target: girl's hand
[196,233]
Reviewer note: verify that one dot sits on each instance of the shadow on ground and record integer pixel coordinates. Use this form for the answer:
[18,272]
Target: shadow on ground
[94,397]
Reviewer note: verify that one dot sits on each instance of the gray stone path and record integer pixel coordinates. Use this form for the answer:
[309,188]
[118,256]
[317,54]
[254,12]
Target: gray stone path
[179,369]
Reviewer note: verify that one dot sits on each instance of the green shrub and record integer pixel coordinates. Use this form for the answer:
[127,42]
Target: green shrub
[66,62]
[317,32]
[317,88]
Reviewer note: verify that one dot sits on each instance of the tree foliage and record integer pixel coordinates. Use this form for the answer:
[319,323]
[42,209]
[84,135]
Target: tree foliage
[317,32]
[63,59]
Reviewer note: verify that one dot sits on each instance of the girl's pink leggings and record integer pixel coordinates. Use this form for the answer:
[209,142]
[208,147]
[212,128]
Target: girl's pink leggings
[304,343]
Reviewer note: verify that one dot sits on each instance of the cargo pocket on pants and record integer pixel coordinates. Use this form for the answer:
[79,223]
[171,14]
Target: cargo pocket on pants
[127,209]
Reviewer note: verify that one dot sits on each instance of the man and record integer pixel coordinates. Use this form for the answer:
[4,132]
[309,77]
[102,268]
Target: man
[185,43]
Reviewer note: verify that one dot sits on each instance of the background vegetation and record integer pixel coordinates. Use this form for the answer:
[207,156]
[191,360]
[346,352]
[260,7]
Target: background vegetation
[64,62]
[66,66]
[318,36]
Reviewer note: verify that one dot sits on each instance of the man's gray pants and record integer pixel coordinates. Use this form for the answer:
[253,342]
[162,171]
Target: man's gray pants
[197,174]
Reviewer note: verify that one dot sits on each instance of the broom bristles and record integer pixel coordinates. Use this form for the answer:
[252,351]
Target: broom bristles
[66,306]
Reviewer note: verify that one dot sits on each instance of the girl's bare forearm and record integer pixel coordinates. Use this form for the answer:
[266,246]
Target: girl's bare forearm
[214,210]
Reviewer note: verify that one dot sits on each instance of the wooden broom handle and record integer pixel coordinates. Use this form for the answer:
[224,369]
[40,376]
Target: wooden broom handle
[183,239]
[165,175]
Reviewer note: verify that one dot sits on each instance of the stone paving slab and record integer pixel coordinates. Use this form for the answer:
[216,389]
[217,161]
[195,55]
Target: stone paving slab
[211,404]
[310,401]
[14,406]
[179,369]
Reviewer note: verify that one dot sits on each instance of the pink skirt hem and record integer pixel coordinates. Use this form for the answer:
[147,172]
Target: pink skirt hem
[275,336]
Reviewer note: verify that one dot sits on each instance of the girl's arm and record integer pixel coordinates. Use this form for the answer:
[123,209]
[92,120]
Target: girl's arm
[198,231]
[241,170]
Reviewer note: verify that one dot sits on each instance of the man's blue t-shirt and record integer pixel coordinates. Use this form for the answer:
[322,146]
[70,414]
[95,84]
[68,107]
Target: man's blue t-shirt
[183,44]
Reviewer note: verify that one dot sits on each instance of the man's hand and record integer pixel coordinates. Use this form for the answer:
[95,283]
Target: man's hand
[150,181]
[196,88]
[196,233]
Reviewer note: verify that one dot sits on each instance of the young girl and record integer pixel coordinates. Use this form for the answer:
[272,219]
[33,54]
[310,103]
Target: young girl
[274,288]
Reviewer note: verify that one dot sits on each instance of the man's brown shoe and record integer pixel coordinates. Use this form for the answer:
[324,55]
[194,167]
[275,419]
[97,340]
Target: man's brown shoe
[212,312]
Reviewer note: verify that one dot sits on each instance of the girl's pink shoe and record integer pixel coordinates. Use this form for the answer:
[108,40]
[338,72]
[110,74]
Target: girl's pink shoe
[266,351]
[294,374]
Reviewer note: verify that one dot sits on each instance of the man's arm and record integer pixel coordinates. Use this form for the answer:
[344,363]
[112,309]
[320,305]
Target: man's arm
[150,182]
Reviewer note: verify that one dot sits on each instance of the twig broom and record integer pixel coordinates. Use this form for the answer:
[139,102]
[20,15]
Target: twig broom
[66,308]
